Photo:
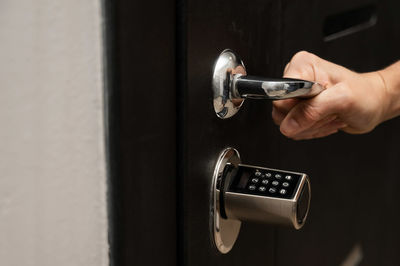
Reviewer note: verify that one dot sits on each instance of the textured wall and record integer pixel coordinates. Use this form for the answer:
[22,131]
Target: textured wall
[52,158]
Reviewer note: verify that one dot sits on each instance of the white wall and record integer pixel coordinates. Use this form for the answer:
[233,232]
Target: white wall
[52,157]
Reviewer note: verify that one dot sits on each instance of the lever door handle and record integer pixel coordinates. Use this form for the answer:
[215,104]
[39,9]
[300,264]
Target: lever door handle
[231,85]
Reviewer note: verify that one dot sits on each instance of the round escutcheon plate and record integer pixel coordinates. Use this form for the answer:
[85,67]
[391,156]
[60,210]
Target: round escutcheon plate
[223,231]
[227,65]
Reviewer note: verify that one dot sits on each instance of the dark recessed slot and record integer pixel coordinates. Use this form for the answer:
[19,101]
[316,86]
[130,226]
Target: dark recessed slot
[349,22]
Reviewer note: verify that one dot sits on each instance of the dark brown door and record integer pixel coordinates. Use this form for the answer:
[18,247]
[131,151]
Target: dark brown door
[165,136]
[354,178]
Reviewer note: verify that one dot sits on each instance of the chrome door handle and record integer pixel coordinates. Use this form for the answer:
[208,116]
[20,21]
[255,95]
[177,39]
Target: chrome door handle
[231,85]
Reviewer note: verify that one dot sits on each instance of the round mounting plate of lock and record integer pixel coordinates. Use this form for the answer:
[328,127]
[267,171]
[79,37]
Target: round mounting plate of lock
[227,65]
[223,231]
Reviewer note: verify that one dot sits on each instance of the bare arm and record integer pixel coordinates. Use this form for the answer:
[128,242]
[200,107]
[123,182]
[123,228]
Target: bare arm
[391,79]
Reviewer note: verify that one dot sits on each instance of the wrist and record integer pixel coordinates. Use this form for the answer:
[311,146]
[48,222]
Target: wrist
[390,77]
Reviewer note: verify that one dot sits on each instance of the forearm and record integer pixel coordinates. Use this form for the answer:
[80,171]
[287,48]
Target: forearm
[391,79]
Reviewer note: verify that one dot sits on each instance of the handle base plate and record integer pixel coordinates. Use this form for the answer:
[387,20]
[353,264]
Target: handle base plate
[226,67]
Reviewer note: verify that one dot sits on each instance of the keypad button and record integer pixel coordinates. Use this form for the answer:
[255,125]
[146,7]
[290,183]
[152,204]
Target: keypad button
[265,182]
[278,176]
[262,189]
[282,191]
[268,174]
[275,183]
[258,173]
[254,180]
[285,184]
[288,177]
[272,190]
[252,187]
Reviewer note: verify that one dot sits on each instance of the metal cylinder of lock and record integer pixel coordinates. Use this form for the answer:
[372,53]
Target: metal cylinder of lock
[266,195]
[255,194]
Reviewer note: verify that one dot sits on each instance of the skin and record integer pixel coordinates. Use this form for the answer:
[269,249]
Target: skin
[352,102]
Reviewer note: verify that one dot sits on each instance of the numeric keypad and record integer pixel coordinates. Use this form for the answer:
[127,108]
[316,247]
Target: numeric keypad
[266,182]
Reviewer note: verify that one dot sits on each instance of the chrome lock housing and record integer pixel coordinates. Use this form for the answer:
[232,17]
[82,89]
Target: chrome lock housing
[255,194]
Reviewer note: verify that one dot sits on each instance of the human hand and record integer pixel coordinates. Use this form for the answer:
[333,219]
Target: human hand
[352,102]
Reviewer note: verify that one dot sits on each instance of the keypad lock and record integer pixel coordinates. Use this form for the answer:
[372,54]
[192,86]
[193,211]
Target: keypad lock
[255,194]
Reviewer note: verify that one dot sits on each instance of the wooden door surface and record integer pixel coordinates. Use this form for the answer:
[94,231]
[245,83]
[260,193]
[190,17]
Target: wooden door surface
[354,178]
[164,137]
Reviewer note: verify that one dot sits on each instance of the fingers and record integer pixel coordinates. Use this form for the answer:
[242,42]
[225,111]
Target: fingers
[311,113]
[322,123]
[281,108]
[300,118]
[323,131]
[278,116]
[317,116]
[301,66]
[284,106]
